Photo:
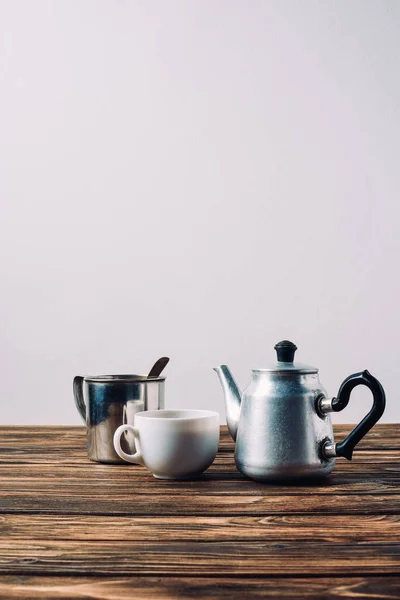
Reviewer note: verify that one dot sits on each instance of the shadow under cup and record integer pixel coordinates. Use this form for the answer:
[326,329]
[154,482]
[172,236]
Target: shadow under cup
[175,444]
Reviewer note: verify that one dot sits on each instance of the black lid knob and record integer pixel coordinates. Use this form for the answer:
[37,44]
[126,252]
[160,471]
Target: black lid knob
[285,351]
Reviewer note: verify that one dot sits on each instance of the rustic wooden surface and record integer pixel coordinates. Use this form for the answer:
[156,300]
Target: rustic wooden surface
[74,529]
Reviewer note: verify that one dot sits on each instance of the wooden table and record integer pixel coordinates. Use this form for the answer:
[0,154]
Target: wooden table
[75,529]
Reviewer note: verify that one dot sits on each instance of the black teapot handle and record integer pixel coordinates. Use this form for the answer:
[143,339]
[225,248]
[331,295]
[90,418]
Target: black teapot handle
[346,447]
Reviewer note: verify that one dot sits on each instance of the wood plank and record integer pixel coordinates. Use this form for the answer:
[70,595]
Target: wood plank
[222,478]
[362,463]
[63,557]
[77,458]
[343,528]
[337,484]
[128,502]
[77,461]
[170,588]
[223,467]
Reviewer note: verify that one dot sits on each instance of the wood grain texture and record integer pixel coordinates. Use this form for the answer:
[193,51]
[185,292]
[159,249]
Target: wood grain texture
[339,528]
[70,528]
[368,479]
[185,588]
[63,557]
[78,458]
[130,503]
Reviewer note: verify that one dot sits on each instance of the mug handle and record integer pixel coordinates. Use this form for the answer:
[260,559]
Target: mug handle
[346,447]
[136,458]
[78,396]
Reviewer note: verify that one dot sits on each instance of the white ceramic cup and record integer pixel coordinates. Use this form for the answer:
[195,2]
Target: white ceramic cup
[172,444]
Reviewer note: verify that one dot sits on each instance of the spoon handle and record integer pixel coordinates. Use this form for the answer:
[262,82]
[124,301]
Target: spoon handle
[158,367]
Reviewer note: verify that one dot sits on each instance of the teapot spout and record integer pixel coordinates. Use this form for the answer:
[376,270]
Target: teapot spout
[232,398]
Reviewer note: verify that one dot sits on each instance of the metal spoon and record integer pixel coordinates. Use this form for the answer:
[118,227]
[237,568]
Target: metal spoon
[158,367]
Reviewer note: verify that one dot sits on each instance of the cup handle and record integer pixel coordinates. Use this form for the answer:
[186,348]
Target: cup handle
[131,458]
[78,396]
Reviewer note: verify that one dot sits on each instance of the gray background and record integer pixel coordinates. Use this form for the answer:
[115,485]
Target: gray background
[196,178]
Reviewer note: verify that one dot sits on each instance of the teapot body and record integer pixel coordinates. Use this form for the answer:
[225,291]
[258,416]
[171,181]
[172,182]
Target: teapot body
[281,423]
[281,433]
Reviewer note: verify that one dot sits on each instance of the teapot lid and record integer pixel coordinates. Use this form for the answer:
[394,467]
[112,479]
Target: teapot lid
[285,353]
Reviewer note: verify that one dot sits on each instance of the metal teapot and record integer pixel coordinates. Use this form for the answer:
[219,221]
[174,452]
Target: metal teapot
[281,422]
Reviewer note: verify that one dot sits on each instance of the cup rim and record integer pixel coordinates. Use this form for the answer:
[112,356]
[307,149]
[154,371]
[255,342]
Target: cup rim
[122,378]
[192,414]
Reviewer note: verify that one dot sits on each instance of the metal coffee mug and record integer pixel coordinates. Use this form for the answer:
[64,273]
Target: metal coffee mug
[107,401]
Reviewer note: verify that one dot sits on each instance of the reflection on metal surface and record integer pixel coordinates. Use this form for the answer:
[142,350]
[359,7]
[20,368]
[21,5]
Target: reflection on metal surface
[109,400]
